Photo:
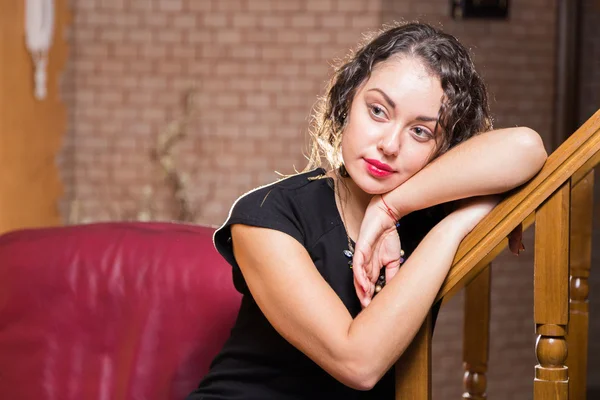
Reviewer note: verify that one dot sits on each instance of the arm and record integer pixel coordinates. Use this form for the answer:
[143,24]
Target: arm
[491,162]
[304,309]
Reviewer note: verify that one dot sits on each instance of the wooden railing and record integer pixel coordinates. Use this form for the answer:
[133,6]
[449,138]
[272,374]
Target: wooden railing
[559,200]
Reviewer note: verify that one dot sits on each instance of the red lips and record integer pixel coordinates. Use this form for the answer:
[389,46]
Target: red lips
[380,165]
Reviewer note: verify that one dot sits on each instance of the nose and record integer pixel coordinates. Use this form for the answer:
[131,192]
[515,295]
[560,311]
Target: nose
[389,143]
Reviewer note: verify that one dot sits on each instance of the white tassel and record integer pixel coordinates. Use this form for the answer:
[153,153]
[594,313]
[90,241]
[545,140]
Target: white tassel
[39,29]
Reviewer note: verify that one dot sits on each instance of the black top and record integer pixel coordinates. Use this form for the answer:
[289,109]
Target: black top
[258,363]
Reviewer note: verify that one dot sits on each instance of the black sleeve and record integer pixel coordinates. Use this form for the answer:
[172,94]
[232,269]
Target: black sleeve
[269,207]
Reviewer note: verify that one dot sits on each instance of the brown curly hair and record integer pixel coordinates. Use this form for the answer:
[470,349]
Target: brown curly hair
[464,111]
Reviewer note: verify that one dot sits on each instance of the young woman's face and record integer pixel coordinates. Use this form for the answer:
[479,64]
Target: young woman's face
[390,132]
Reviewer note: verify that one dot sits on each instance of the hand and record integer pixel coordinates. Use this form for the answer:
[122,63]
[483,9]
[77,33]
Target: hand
[515,240]
[377,247]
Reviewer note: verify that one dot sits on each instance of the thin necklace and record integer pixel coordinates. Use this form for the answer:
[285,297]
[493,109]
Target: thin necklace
[349,253]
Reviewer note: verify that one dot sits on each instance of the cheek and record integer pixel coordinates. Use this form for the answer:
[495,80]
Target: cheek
[360,132]
[417,158]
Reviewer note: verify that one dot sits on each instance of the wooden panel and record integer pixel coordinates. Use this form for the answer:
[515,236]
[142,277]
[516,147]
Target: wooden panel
[551,276]
[582,203]
[30,130]
[556,390]
[477,335]
[551,295]
[413,369]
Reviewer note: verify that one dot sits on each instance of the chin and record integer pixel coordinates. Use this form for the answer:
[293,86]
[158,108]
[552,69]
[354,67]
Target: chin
[373,186]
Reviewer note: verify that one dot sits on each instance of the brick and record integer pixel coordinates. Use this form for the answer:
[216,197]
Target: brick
[124,51]
[320,5]
[169,37]
[303,21]
[198,5]
[184,21]
[230,5]
[289,36]
[304,53]
[318,37]
[272,21]
[111,67]
[228,36]
[126,20]
[216,20]
[245,20]
[154,20]
[364,22]
[229,69]
[356,6]
[290,5]
[332,21]
[258,100]
[199,36]
[258,37]
[169,68]
[180,52]
[170,5]
[112,35]
[275,52]
[248,51]
[139,36]
[261,5]
[153,51]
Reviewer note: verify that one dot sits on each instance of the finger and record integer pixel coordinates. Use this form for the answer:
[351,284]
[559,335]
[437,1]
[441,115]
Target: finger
[515,240]
[363,296]
[360,293]
[358,269]
[375,268]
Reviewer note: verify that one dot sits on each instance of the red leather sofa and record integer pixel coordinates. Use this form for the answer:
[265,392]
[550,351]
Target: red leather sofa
[111,311]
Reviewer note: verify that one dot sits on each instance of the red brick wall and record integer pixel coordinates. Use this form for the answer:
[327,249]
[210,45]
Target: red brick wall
[258,66]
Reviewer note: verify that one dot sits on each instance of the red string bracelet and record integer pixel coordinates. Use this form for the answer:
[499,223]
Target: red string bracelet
[390,212]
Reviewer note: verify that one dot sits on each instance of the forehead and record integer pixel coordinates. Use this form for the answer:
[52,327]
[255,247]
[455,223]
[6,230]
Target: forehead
[407,79]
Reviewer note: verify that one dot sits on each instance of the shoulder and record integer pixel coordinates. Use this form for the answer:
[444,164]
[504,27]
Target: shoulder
[287,205]
[286,190]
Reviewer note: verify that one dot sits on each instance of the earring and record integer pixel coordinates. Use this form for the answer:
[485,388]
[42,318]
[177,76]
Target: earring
[343,171]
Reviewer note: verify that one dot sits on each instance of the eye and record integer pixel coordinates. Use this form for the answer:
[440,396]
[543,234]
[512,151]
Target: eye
[377,111]
[422,132]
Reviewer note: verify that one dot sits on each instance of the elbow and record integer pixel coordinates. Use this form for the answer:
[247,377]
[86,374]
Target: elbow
[360,375]
[533,146]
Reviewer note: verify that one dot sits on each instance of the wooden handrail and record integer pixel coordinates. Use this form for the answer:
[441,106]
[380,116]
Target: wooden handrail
[563,187]
[574,158]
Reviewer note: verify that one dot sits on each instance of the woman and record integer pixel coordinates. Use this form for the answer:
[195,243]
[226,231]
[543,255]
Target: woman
[393,128]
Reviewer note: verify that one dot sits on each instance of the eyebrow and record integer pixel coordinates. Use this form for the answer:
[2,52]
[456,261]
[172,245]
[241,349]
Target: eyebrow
[420,118]
[385,96]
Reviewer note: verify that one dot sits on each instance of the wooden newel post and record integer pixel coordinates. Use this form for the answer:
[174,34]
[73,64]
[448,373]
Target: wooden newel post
[413,369]
[551,295]
[582,203]
[476,336]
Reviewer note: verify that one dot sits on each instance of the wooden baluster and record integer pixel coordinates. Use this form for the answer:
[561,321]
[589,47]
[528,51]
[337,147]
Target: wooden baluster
[551,295]
[413,369]
[582,203]
[476,335]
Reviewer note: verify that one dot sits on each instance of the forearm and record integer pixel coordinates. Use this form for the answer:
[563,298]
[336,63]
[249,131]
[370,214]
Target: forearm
[383,330]
[492,162]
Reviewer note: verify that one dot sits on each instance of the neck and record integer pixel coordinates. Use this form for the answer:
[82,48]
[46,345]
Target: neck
[352,203]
